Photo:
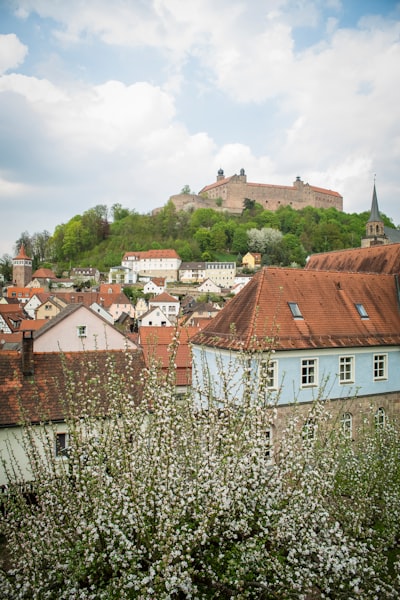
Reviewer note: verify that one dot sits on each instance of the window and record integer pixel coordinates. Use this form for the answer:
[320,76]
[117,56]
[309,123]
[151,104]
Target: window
[347,425]
[81,330]
[380,366]
[61,444]
[272,375]
[296,312]
[309,372]
[361,311]
[346,369]
[380,417]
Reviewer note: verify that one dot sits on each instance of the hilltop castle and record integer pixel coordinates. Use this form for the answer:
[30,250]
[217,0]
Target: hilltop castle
[229,193]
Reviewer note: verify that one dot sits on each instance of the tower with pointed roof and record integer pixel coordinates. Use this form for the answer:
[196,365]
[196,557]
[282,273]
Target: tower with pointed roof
[22,268]
[375,228]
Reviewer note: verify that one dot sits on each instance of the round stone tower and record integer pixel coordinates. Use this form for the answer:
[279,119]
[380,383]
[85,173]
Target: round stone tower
[22,268]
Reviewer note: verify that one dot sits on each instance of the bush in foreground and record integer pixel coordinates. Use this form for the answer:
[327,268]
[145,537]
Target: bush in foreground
[161,500]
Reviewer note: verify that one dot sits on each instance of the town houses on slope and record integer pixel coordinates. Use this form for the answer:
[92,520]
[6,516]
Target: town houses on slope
[331,330]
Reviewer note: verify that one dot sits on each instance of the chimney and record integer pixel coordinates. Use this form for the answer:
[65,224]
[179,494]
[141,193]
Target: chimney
[27,353]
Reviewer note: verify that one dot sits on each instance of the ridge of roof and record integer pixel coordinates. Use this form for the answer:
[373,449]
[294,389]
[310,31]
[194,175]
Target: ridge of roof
[327,301]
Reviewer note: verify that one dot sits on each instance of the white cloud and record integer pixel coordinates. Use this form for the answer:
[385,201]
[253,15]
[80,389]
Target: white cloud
[328,112]
[12,52]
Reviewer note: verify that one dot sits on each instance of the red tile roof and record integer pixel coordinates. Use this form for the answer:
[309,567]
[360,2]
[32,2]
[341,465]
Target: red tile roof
[157,344]
[167,253]
[56,375]
[12,314]
[44,274]
[375,259]
[163,297]
[267,185]
[32,324]
[22,254]
[22,292]
[259,315]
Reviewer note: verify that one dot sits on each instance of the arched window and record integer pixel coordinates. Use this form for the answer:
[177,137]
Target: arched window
[347,425]
[380,417]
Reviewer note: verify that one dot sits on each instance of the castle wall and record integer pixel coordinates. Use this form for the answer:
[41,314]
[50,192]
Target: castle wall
[229,195]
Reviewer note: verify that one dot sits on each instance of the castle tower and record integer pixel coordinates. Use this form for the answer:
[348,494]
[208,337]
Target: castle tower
[220,174]
[22,269]
[375,228]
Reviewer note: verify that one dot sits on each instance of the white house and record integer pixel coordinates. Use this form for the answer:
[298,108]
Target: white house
[192,272]
[152,263]
[156,286]
[208,286]
[77,328]
[154,317]
[221,273]
[168,304]
[34,302]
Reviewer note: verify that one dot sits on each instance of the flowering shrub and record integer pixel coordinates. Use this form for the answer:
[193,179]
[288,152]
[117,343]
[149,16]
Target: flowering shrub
[161,500]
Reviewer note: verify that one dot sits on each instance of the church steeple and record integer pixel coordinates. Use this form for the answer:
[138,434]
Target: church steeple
[375,228]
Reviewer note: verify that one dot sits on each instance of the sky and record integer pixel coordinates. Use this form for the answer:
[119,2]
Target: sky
[131,100]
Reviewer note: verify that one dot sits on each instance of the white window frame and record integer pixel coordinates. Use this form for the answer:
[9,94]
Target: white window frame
[305,372]
[346,422]
[380,417]
[81,331]
[380,365]
[272,375]
[346,369]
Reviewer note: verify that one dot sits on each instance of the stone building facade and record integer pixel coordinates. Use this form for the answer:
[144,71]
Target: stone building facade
[229,193]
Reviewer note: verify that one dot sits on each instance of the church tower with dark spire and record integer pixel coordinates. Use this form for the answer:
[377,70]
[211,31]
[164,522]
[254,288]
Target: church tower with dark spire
[375,228]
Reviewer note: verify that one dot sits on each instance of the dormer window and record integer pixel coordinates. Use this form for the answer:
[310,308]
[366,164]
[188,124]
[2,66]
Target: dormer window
[295,310]
[361,311]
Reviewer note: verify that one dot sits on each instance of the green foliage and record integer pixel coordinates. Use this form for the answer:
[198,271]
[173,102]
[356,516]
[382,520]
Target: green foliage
[6,267]
[89,239]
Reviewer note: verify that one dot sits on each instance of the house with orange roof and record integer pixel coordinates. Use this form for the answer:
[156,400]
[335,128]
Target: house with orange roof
[11,316]
[154,317]
[151,263]
[109,298]
[34,384]
[251,260]
[22,294]
[333,333]
[167,304]
[34,301]
[155,286]
[50,308]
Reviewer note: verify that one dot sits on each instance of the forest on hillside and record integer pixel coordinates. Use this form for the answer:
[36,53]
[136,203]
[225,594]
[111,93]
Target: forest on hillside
[101,235]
